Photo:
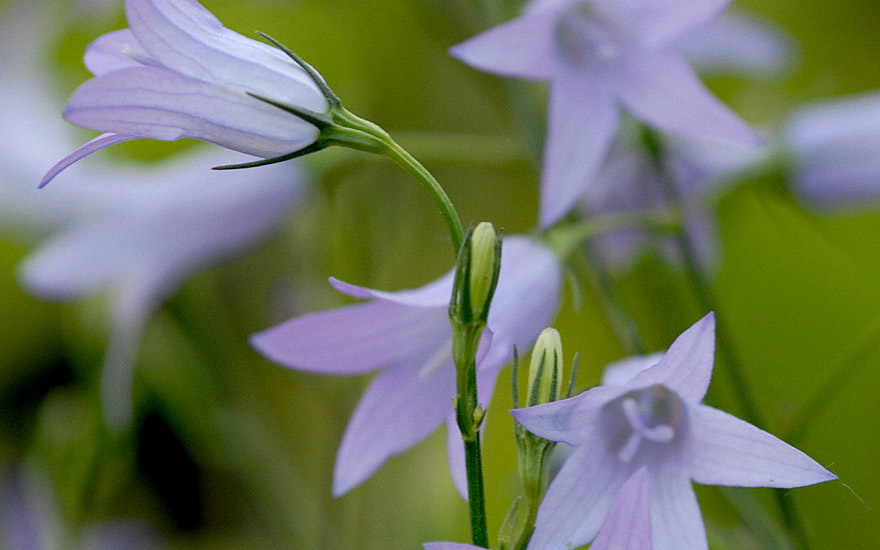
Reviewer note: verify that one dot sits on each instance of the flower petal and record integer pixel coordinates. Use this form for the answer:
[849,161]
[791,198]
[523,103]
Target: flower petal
[186,38]
[157,103]
[686,368]
[660,88]
[113,51]
[355,338]
[99,143]
[399,409]
[627,526]
[434,294]
[522,47]
[676,522]
[619,373]
[658,21]
[582,123]
[579,497]
[568,420]
[724,450]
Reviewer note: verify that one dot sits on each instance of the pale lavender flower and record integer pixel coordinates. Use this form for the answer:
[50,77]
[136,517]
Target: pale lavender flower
[139,236]
[407,336]
[30,520]
[177,72]
[655,420]
[835,153]
[627,524]
[598,55]
[631,182]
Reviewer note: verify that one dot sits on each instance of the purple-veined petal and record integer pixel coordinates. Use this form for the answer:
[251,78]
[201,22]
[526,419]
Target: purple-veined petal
[724,450]
[662,90]
[737,44]
[579,497]
[686,368]
[582,123]
[568,420]
[356,338]
[521,48]
[434,294]
[627,525]
[676,522]
[399,409]
[113,51]
[186,38]
[99,143]
[156,103]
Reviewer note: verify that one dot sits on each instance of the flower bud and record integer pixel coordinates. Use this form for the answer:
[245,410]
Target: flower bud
[482,269]
[545,369]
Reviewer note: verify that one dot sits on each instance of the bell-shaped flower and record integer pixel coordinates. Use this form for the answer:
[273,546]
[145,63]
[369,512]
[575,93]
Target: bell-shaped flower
[30,519]
[408,337]
[653,419]
[834,150]
[139,236]
[177,72]
[598,55]
[686,183]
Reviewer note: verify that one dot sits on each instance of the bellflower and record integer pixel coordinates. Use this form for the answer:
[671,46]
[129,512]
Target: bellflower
[835,152]
[654,420]
[30,520]
[139,236]
[177,72]
[597,55]
[631,181]
[408,337]
[627,525]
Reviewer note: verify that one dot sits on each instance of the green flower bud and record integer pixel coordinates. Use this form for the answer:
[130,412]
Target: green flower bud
[482,269]
[545,370]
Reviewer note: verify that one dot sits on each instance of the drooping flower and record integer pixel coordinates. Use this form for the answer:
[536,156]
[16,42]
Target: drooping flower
[139,236]
[177,72]
[627,526]
[654,420]
[407,336]
[631,181]
[30,520]
[597,55]
[835,153]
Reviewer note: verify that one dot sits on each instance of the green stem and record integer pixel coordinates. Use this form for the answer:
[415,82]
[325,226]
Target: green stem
[476,495]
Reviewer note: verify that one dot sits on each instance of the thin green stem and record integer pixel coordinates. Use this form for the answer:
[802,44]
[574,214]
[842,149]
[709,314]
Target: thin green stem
[476,494]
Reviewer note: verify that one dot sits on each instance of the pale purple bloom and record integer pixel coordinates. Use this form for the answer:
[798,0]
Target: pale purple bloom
[30,520]
[655,420]
[177,72]
[630,182]
[835,152]
[139,236]
[407,336]
[598,55]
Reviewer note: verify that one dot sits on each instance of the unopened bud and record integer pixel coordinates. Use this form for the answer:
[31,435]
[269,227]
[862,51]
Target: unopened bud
[545,370]
[482,269]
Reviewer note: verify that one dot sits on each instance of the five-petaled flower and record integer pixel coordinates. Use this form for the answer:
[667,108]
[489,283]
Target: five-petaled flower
[653,419]
[177,72]
[598,54]
[408,336]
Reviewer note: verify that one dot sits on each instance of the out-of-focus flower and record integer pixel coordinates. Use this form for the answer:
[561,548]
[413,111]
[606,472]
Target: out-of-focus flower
[140,236]
[29,520]
[655,421]
[597,55]
[631,181]
[408,336]
[835,153]
[177,72]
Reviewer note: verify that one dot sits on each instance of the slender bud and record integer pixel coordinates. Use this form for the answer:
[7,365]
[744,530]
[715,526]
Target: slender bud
[545,369]
[482,269]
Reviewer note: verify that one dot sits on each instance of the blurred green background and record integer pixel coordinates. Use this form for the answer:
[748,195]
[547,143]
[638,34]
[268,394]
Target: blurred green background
[231,451]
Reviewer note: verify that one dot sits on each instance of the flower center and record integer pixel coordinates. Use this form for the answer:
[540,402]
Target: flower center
[585,35]
[640,419]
